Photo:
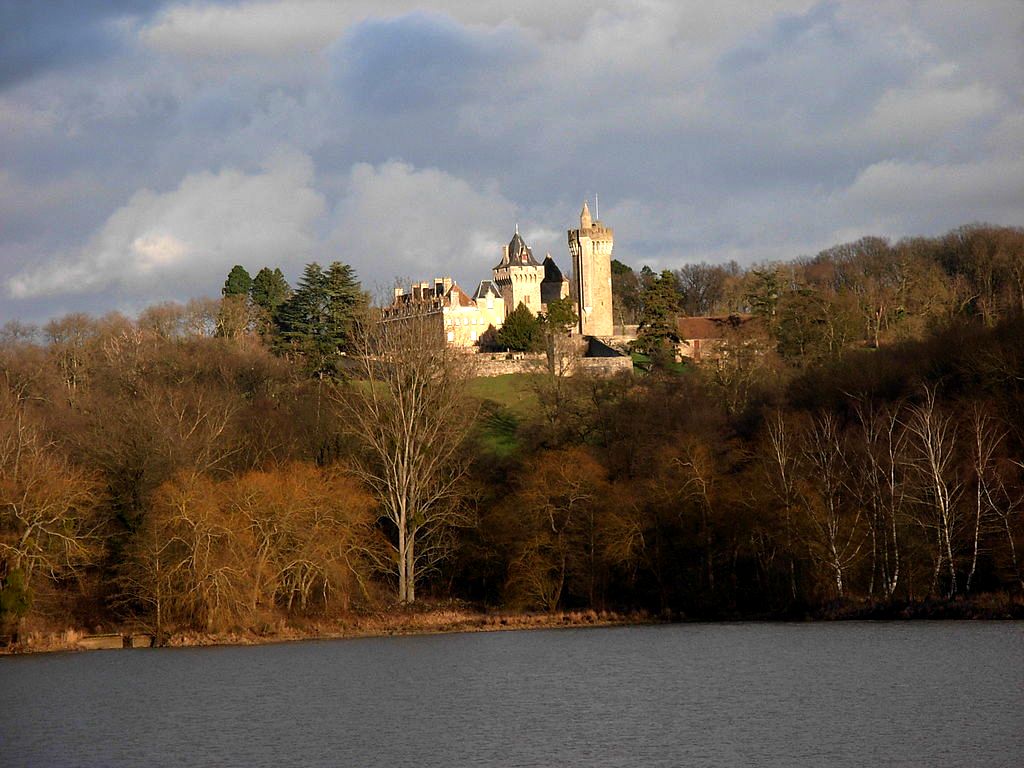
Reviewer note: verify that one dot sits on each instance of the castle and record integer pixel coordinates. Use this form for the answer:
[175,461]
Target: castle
[520,279]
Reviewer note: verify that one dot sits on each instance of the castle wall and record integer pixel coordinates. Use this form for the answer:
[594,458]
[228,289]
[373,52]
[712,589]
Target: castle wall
[606,366]
[499,365]
[488,365]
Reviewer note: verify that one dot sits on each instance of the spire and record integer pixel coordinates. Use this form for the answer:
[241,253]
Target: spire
[585,220]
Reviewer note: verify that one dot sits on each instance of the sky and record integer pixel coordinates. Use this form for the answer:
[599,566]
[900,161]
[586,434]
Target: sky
[147,147]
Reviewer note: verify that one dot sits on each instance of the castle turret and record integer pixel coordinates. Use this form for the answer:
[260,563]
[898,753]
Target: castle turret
[518,276]
[591,250]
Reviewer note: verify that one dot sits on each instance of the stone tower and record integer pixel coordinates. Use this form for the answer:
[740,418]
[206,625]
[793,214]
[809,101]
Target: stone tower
[591,249]
[518,276]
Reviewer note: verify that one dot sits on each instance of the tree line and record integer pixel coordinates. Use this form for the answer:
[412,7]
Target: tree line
[235,463]
[869,292]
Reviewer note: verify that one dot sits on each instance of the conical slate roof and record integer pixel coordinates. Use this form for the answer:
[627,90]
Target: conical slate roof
[519,253]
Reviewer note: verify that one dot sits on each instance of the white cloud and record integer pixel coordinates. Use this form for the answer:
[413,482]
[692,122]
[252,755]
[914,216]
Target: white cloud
[919,114]
[262,28]
[396,221]
[269,28]
[901,198]
[162,244]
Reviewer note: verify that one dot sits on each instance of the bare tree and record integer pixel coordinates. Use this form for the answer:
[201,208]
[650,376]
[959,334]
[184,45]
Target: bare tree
[698,476]
[147,577]
[308,533]
[409,413]
[743,361]
[881,488]
[48,522]
[779,462]
[932,441]
[701,287]
[69,338]
[200,549]
[1008,506]
[557,511]
[986,437]
[836,537]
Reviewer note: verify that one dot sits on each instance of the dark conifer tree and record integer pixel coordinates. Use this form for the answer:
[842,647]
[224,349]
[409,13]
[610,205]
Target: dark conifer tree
[522,331]
[269,289]
[658,321]
[238,282]
[346,303]
[319,318]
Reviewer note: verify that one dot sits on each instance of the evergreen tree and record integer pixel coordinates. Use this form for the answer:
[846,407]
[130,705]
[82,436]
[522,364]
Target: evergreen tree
[346,303]
[647,277]
[319,319]
[300,316]
[560,317]
[269,289]
[522,331]
[658,321]
[238,282]
[555,325]
[626,297]
[234,316]
[763,296]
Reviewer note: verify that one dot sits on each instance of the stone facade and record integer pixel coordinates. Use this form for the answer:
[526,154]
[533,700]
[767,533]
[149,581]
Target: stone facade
[461,318]
[591,250]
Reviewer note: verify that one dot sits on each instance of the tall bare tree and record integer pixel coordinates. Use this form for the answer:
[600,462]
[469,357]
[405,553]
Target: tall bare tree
[779,460]
[48,522]
[409,412]
[881,489]
[836,536]
[932,439]
[986,437]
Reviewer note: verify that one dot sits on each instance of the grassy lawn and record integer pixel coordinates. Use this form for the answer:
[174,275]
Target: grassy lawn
[513,391]
[506,401]
[642,362]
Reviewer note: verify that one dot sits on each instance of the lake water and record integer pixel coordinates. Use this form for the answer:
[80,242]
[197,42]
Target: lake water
[916,693]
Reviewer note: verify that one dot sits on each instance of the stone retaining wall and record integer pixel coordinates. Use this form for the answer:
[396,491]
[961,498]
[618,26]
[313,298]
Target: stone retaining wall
[486,365]
[606,366]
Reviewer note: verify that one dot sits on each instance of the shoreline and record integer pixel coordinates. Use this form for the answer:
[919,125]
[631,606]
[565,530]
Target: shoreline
[437,620]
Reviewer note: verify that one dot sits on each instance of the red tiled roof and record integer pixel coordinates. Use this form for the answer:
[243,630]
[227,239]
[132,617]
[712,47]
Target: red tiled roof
[690,328]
